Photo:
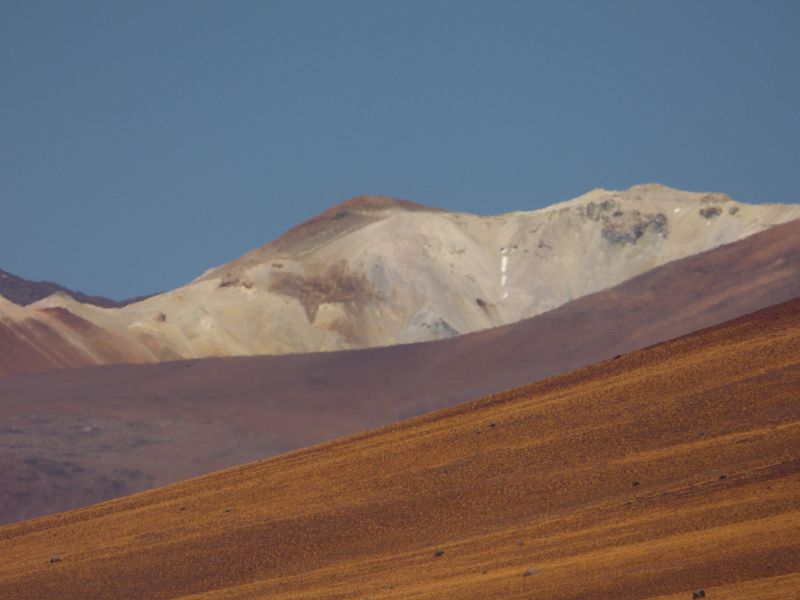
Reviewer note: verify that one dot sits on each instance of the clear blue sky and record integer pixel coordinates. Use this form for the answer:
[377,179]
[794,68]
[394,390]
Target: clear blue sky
[143,142]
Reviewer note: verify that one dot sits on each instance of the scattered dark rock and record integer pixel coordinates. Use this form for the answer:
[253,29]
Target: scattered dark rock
[627,229]
[723,476]
[709,212]
[595,211]
[492,425]
[701,593]
[635,483]
[55,558]
[531,571]
[227,510]
[336,283]
[442,328]
[228,280]
[733,210]
[182,508]
[617,356]
[439,552]
[715,198]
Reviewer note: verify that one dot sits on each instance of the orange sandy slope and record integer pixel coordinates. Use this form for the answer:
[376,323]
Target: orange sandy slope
[667,470]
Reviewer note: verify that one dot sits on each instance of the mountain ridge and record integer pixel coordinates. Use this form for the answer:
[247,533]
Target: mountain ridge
[24,292]
[77,436]
[340,280]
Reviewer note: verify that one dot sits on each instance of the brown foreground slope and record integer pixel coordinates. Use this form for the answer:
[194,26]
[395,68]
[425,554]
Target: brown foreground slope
[75,437]
[665,471]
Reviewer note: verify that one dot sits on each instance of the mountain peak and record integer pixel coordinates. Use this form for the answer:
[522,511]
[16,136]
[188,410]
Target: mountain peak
[341,218]
[651,187]
[657,189]
[369,203]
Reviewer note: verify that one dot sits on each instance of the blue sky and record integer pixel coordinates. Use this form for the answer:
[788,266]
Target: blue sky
[143,142]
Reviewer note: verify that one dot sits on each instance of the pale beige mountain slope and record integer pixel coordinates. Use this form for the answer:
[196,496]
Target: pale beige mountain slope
[375,271]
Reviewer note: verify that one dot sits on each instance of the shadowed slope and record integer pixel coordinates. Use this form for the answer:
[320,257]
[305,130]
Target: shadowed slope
[23,292]
[671,469]
[79,436]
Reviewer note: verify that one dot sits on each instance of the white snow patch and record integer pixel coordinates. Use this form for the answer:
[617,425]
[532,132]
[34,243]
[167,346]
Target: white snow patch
[504,269]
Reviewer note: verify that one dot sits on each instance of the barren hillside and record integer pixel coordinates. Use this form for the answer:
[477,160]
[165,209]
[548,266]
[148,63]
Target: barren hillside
[375,271]
[73,437]
[654,476]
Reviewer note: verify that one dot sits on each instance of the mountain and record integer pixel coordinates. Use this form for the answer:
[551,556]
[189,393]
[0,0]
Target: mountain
[23,292]
[341,280]
[55,338]
[74,437]
[667,471]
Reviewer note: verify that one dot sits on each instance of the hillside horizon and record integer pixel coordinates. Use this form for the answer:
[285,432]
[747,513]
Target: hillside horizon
[39,288]
[558,487]
[197,411]
[339,280]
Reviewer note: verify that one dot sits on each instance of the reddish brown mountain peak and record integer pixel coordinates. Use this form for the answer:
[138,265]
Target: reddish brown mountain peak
[369,203]
[340,219]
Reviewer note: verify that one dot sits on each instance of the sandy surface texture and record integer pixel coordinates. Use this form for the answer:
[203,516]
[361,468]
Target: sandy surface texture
[654,475]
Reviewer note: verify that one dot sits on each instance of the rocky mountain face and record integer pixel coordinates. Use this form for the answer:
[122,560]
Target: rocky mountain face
[374,271]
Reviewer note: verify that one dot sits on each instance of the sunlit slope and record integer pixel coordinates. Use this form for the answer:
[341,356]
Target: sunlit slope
[374,271]
[55,338]
[665,471]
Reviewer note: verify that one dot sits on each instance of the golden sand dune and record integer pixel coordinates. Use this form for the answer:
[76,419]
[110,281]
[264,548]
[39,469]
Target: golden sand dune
[666,471]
